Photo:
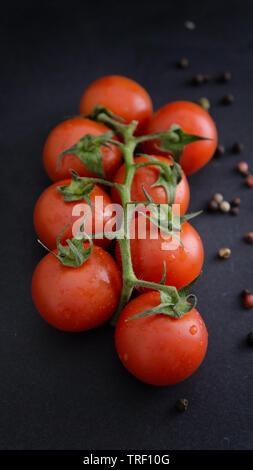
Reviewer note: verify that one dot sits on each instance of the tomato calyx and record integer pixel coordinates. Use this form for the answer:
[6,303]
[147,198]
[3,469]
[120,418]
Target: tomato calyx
[98,110]
[78,189]
[74,254]
[174,303]
[88,150]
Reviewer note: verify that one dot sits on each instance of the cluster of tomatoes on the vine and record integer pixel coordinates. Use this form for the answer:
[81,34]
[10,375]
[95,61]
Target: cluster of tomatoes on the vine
[78,285]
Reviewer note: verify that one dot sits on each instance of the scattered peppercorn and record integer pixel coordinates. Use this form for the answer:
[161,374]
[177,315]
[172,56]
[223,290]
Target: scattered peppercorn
[224,206]
[183,63]
[190,25]
[212,206]
[225,77]
[243,168]
[245,292]
[182,404]
[249,181]
[248,301]
[224,253]
[236,202]
[235,211]
[204,103]
[237,147]
[250,338]
[220,150]
[248,237]
[228,99]
[218,197]
[198,79]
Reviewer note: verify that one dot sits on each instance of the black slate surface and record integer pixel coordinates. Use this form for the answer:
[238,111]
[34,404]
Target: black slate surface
[66,391]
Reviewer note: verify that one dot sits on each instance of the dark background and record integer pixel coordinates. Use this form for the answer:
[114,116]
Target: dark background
[69,391]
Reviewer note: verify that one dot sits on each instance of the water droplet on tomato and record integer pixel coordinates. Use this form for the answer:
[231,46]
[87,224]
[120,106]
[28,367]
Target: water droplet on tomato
[193,330]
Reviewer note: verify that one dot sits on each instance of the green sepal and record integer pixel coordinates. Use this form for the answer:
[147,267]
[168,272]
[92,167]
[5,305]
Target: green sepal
[74,254]
[88,150]
[78,189]
[175,140]
[174,303]
[98,110]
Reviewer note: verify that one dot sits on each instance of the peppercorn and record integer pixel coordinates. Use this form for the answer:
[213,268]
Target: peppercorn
[224,253]
[249,181]
[250,338]
[225,77]
[224,206]
[182,404]
[198,79]
[207,77]
[248,237]
[235,211]
[248,301]
[228,99]
[237,147]
[236,202]
[220,150]
[190,25]
[183,63]
[243,168]
[218,197]
[204,103]
[245,292]
[212,206]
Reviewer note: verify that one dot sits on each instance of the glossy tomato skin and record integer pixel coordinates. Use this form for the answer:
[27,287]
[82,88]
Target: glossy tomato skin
[77,299]
[52,214]
[194,120]
[121,95]
[159,349]
[67,134]
[183,264]
[147,176]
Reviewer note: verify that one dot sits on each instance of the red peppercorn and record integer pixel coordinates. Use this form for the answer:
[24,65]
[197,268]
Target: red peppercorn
[249,181]
[243,168]
[248,301]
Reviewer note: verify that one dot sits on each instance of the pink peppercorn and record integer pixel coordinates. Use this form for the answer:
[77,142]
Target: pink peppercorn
[248,301]
[249,181]
[243,168]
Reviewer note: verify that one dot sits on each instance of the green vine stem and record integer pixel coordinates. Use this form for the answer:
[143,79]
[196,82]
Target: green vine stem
[173,302]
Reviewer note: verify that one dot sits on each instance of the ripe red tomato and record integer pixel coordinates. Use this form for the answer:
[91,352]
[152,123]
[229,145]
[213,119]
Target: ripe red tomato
[67,134]
[194,120]
[77,299]
[147,176]
[121,95]
[52,214]
[183,264]
[159,349]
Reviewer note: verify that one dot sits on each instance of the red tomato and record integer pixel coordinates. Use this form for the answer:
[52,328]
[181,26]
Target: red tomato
[52,214]
[194,120]
[147,176]
[183,264]
[67,134]
[77,299]
[121,95]
[159,349]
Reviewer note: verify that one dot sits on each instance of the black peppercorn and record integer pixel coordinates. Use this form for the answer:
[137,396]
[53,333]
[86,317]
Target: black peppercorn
[182,404]
[220,150]
[245,292]
[225,77]
[228,99]
[237,147]
[250,338]
[183,63]
[236,202]
[206,77]
[235,211]
[198,79]
[212,206]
